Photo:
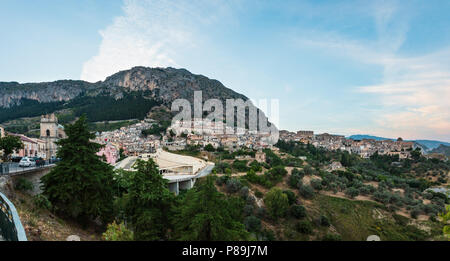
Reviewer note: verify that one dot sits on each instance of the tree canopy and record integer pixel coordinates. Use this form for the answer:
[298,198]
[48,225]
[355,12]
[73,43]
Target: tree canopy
[206,214]
[81,184]
[276,202]
[149,202]
[9,144]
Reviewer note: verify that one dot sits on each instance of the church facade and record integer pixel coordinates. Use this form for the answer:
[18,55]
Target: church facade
[51,132]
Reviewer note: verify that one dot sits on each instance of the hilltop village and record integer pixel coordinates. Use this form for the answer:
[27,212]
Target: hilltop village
[133,141]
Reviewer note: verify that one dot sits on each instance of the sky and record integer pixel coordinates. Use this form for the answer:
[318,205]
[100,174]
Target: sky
[343,67]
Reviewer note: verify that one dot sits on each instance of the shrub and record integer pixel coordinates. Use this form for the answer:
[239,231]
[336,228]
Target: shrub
[324,221]
[233,185]
[332,237]
[255,166]
[244,192]
[258,194]
[306,191]
[261,212]
[298,211]
[117,232]
[209,147]
[268,235]
[42,202]
[240,165]
[316,184]
[308,170]
[252,224]
[295,180]
[222,180]
[304,227]
[291,196]
[23,184]
[248,210]
[277,203]
[364,190]
[276,174]
[415,212]
[432,218]
[352,192]
[382,196]
[221,167]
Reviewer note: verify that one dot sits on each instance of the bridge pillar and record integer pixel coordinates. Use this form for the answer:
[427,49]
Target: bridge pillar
[174,187]
[185,185]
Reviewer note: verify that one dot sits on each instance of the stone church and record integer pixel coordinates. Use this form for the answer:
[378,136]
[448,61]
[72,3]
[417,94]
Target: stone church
[51,132]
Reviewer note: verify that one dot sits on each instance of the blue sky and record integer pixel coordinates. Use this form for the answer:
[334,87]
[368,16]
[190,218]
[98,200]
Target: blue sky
[347,67]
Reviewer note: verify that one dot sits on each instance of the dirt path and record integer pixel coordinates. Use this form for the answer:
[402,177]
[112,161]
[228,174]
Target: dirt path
[342,195]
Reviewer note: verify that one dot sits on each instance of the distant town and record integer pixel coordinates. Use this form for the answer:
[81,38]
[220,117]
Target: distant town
[131,140]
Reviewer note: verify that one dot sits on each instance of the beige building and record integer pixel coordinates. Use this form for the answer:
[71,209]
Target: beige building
[260,156]
[51,132]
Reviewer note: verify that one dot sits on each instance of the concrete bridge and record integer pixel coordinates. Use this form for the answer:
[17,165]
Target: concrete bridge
[185,182]
[15,170]
[181,171]
[32,174]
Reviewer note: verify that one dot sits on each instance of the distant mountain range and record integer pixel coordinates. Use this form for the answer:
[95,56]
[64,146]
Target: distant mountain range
[443,149]
[427,144]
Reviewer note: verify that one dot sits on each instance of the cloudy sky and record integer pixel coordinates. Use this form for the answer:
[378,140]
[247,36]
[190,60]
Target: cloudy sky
[346,67]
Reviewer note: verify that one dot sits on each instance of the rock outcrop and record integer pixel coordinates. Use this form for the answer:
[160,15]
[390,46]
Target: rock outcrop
[165,83]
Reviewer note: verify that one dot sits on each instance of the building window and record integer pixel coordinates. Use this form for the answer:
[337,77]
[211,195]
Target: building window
[48,133]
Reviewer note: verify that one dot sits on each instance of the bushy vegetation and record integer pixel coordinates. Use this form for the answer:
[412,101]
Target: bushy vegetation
[117,232]
[23,184]
[81,185]
[224,208]
[298,211]
[306,191]
[41,202]
[391,173]
[109,126]
[277,203]
[8,145]
[206,214]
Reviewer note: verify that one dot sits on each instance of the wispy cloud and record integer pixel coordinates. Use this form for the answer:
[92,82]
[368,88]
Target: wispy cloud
[415,96]
[153,33]
[414,90]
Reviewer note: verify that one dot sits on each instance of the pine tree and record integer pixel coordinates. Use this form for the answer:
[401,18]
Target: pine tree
[81,184]
[149,202]
[206,214]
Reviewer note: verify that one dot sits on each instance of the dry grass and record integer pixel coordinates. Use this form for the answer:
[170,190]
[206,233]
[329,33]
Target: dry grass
[42,225]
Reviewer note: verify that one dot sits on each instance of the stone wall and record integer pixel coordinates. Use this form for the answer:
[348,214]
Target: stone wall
[35,178]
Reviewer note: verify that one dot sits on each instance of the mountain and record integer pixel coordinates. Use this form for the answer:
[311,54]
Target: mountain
[127,94]
[360,137]
[432,144]
[443,149]
[427,144]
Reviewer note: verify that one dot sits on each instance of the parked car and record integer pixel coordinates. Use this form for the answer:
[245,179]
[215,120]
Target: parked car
[16,159]
[27,162]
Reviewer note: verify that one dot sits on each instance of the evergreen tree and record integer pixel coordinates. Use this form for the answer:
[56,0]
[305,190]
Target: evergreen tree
[80,185]
[206,214]
[149,202]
